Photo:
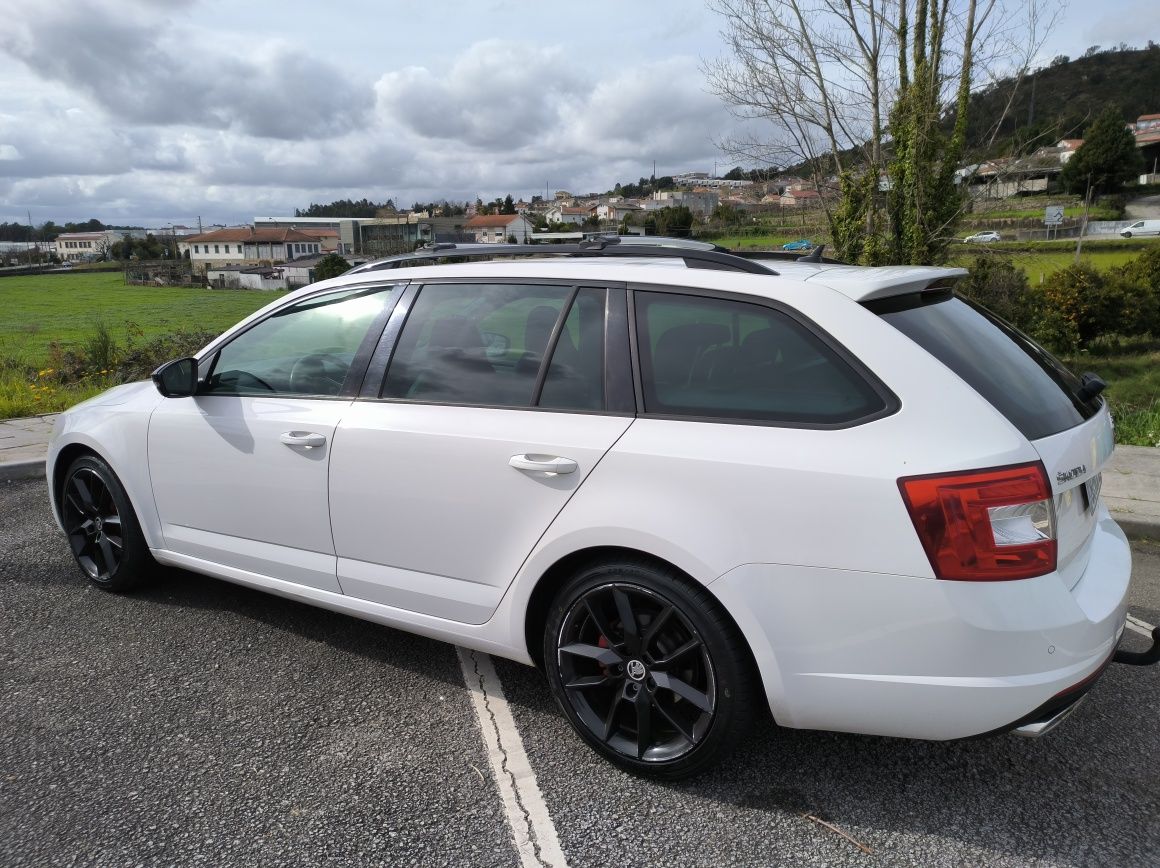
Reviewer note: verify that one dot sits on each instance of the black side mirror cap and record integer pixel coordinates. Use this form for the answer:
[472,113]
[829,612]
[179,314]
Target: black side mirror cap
[177,379]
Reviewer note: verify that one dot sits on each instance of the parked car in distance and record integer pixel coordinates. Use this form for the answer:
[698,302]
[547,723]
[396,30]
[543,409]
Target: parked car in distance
[683,483]
[1140,228]
[982,238]
[802,244]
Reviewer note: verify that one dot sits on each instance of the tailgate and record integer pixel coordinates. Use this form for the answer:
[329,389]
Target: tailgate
[1074,460]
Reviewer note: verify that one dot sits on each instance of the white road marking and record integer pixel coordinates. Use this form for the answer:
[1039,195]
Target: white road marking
[527,815]
[1141,627]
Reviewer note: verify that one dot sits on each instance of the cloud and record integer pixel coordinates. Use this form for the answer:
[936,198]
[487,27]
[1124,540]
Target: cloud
[132,115]
[141,68]
[497,94]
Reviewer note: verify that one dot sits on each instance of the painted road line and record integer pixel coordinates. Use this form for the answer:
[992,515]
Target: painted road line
[527,815]
[1141,627]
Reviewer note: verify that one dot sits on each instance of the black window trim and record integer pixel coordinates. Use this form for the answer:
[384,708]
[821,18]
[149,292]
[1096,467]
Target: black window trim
[614,387]
[358,366]
[890,402]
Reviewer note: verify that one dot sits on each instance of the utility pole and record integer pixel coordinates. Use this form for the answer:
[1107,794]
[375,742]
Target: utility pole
[1087,201]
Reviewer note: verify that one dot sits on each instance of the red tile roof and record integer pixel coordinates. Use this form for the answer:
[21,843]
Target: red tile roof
[321,232]
[249,235]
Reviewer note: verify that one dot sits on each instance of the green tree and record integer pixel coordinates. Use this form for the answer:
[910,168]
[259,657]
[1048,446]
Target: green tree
[509,205]
[331,265]
[1108,157]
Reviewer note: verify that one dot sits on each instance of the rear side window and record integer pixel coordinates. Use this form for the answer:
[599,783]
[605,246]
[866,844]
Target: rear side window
[1019,378]
[499,345]
[718,358]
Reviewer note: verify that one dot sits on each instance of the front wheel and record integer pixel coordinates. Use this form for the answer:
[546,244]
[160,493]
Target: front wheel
[102,529]
[1126,234]
[649,669]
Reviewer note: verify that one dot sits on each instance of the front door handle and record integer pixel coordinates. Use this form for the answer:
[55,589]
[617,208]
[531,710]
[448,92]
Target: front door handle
[543,463]
[303,439]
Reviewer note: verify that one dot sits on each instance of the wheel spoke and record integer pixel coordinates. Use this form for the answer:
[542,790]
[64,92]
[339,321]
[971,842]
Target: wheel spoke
[687,734]
[114,520]
[684,690]
[583,682]
[627,621]
[680,652]
[607,656]
[107,554]
[599,620]
[82,528]
[116,540]
[655,626]
[610,717]
[644,739]
[82,491]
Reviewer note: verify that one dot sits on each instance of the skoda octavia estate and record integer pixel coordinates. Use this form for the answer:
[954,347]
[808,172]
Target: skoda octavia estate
[686,485]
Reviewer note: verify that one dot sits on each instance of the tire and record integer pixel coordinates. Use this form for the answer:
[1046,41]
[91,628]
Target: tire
[1126,234]
[93,508]
[684,671]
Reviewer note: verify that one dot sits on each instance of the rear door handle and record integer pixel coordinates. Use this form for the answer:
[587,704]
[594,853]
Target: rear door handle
[303,439]
[543,463]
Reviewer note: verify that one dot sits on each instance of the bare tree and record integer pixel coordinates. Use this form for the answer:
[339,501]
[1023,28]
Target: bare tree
[862,92]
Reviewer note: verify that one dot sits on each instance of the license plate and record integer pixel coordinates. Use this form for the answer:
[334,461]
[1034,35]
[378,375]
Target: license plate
[1091,492]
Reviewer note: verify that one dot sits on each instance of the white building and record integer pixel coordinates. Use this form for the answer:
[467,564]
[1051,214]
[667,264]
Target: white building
[497,228]
[247,246]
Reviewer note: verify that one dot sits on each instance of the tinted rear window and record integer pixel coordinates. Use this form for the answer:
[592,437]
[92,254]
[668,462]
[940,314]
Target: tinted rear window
[721,359]
[1019,378]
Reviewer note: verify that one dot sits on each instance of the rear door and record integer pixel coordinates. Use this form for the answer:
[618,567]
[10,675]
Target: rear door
[1071,430]
[499,400]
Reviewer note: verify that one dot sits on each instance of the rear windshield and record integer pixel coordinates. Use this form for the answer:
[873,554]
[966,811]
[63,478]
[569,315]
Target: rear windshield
[1020,379]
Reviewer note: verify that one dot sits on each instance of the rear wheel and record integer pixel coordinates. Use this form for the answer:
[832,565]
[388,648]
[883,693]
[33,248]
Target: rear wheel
[102,529]
[648,668]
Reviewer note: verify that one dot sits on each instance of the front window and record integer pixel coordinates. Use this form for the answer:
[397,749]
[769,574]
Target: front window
[304,349]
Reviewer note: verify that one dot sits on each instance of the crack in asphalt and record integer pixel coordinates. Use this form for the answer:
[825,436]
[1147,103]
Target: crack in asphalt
[504,764]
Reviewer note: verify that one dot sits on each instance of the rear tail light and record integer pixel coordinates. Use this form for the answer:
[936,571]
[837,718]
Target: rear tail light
[984,525]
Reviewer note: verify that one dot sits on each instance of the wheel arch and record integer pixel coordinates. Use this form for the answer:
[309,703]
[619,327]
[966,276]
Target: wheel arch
[553,578]
[62,459]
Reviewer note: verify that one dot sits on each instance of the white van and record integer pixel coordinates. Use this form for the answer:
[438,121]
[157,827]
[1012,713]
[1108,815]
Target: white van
[1141,227]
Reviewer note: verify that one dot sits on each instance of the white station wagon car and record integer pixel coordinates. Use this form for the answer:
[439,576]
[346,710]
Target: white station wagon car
[685,484]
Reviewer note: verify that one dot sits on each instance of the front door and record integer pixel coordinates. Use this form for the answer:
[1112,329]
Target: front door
[239,471]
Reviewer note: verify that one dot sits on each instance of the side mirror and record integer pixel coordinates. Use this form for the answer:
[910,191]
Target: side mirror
[177,379]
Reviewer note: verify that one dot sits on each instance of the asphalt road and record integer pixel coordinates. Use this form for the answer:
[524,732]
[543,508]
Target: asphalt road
[199,723]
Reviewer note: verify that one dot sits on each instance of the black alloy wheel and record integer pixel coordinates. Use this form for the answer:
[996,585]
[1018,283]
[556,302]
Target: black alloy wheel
[648,669]
[102,529]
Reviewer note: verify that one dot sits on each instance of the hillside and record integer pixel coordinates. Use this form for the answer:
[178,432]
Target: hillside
[1059,101]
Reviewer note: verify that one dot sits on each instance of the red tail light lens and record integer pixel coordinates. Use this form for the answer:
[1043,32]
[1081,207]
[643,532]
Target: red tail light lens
[984,525]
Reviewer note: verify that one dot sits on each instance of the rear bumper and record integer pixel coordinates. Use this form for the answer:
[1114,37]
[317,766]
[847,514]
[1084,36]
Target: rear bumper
[921,658]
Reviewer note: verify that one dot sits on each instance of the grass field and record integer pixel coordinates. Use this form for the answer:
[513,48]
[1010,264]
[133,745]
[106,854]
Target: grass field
[754,242]
[39,311]
[1132,372]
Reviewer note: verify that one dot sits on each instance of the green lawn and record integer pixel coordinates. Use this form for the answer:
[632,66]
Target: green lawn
[1038,264]
[1132,372]
[755,242]
[41,312]
[39,309]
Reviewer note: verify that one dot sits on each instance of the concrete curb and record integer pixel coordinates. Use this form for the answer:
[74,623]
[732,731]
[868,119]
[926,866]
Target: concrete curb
[13,470]
[1138,528]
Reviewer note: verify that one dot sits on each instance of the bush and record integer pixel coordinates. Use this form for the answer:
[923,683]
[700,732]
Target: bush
[1002,288]
[331,265]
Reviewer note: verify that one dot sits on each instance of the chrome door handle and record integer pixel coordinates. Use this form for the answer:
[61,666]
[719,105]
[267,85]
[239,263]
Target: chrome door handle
[303,439]
[543,463]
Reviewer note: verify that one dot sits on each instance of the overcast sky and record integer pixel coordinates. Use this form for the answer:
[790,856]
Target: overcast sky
[154,112]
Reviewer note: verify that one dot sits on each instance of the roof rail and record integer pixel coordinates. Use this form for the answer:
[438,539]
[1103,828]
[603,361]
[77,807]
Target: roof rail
[612,246]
